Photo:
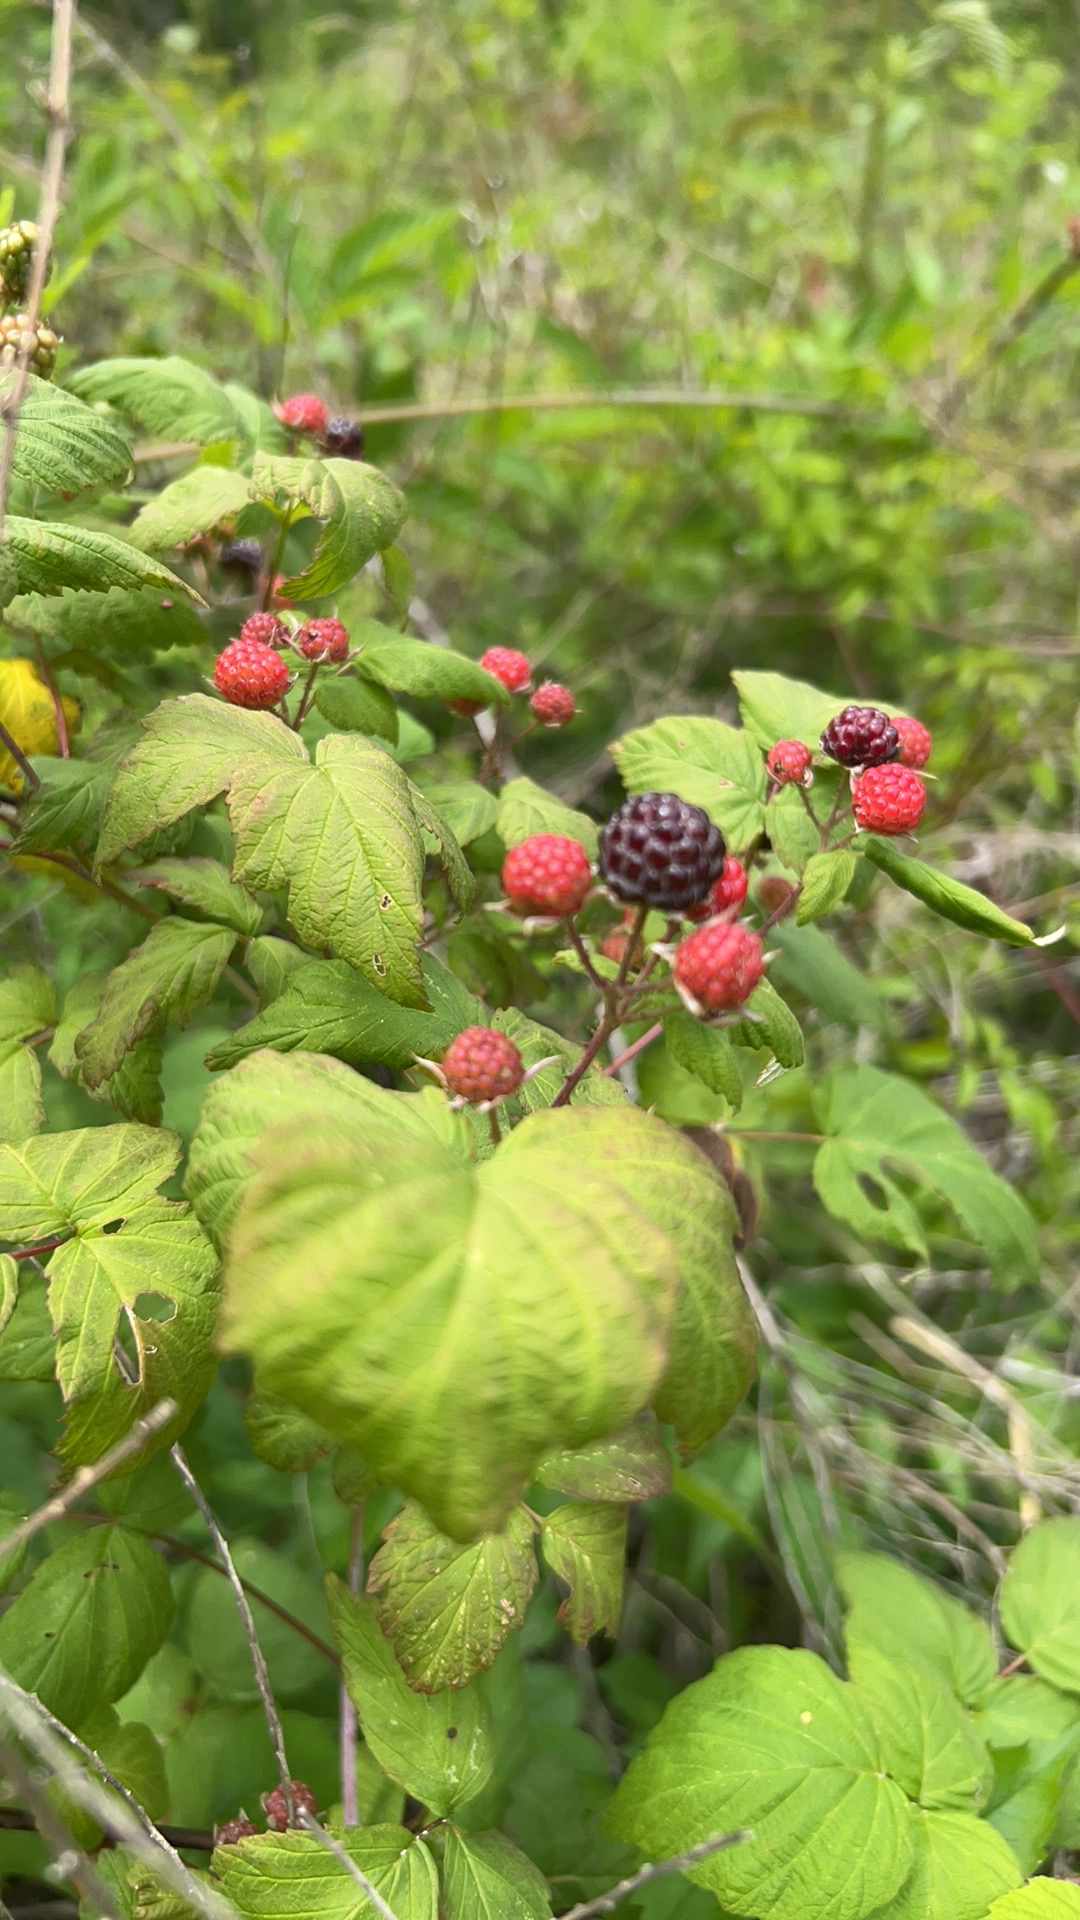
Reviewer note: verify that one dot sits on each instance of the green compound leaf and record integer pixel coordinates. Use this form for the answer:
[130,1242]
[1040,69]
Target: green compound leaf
[423,670]
[283,1876]
[439,1746]
[1038,1601]
[632,1465]
[81,1633]
[440,840]
[586,1546]
[301,1093]
[354,704]
[205,888]
[190,505]
[826,879]
[341,836]
[773,1743]
[447,1609]
[707,1053]
[53,557]
[483,1876]
[959,1864]
[282,1436]
[72,1182]
[908,1618]
[122,627]
[776,708]
[325,1006]
[877,1121]
[544,1278]
[468,809]
[65,810]
[525,809]
[767,1021]
[135,1089]
[62,447]
[704,761]
[928,1743]
[1039,1900]
[964,906]
[170,398]
[175,971]
[362,512]
[27,1008]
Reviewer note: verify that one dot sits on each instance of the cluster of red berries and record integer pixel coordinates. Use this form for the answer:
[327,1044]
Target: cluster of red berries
[552,704]
[306,413]
[251,672]
[276,1809]
[884,754]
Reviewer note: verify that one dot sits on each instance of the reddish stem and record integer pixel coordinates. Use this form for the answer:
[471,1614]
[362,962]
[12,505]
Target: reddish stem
[45,671]
[43,1246]
[637,1046]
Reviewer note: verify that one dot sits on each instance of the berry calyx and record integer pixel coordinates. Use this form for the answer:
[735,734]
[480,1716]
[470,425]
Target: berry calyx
[508,666]
[789,763]
[481,1065]
[547,874]
[916,741]
[719,966]
[266,628]
[36,345]
[251,674]
[553,705]
[245,556]
[861,737]
[660,851]
[303,413]
[726,892]
[888,799]
[323,640]
[343,437]
[275,1805]
[231,1831]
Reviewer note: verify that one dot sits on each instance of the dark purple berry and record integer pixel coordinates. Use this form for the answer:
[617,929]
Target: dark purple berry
[242,556]
[861,737]
[343,437]
[659,851]
[231,1831]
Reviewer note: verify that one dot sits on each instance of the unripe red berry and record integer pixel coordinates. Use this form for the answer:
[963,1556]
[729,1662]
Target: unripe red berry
[481,1065]
[266,628]
[789,762]
[553,705]
[231,1831]
[888,799]
[726,892]
[547,874]
[275,1805]
[720,965]
[323,640]
[303,413]
[916,741]
[508,666]
[251,674]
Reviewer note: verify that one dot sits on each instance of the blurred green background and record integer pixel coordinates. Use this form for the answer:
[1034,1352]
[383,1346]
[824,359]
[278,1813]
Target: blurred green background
[851,224]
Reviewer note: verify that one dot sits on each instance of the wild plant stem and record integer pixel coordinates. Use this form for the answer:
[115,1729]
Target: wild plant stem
[88,1477]
[11,746]
[609,1017]
[347,1718]
[46,673]
[637,1046]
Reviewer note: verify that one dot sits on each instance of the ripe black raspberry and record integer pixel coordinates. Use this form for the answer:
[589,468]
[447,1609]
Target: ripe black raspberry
[660,851]
[861,737]
[343,437]
[481,1065]
[242,556]
[20,341]
[276,1808]
[231,1831]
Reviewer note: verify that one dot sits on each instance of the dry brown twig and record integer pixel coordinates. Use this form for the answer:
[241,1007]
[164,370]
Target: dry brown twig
[607,1902]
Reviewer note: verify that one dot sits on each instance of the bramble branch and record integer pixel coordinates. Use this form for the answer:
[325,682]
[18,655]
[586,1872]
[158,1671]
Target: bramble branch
[607,1902]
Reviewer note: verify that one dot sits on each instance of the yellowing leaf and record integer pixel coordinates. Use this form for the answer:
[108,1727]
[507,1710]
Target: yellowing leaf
[28,713]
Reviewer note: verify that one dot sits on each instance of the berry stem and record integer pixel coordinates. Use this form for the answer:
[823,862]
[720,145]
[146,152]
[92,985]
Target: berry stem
[494,1127]
[276,564]
[45,671]
[808,804]
[637,1046]
[781,912]
[347,1717]
[582,952]
[306,696]
[42,1246]
[609,1018]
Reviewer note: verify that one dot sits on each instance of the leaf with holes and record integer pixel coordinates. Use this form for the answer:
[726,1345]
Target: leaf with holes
[171,398]
[175,971]
[54,557]
[439,1746]
[631,1465]
[426,671]
[773,1743]
[705,762]
[281,1876]
[585,1544]
[876,1121]
[81,1633]
[62,447]
[448,1609]
[191,505]
[544,1278]
[1038,1601]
